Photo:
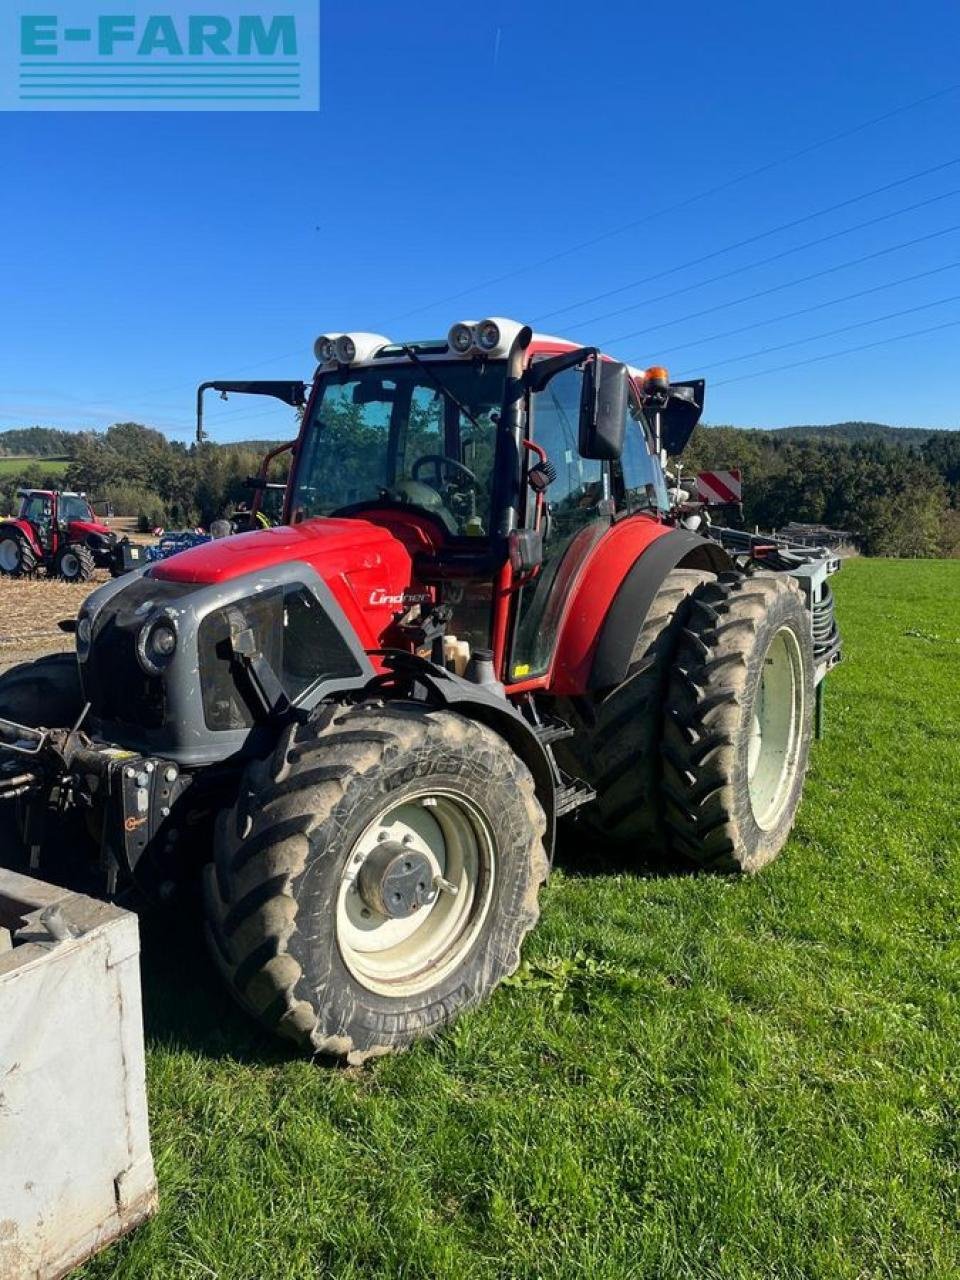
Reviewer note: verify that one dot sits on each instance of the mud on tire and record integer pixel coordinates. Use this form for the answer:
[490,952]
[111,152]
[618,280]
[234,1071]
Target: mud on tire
[274,894]
[739,722]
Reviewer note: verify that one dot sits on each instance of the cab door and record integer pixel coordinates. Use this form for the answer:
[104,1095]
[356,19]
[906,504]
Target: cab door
[577,512]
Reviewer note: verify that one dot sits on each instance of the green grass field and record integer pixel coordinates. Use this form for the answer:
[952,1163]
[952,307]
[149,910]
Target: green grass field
[48,466]
[691,1076]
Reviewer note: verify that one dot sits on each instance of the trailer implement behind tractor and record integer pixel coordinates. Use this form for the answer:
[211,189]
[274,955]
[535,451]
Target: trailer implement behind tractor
[482,616]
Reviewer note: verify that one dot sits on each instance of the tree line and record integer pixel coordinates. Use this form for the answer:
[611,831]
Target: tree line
[900,495]
[898,499]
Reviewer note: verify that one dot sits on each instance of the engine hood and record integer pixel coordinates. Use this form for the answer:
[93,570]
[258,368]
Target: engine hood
[83,529]
[329,546]
[368,567]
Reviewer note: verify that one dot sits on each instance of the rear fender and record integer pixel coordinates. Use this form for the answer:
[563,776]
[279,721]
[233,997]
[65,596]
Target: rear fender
[613,596]
[25,530]
[617,636]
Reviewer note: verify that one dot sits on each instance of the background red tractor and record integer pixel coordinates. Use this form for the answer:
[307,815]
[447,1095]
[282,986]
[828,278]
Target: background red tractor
[483,616]
[60,533]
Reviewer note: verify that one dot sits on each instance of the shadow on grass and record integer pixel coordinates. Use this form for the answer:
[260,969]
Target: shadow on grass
[186,1006]
[581,854]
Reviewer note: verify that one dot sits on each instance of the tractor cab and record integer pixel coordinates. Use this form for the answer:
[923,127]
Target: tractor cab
[497,458]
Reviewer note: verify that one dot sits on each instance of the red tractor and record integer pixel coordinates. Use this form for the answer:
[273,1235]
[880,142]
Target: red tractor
[481,618]
[57,532]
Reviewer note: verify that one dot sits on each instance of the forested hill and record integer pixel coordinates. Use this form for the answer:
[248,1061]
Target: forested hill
[853,433]
[899,495]
[37,442]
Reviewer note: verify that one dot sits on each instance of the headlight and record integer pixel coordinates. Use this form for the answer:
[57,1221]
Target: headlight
[346,349]
[156,645]
[488,335]
[460,338]
[325,349]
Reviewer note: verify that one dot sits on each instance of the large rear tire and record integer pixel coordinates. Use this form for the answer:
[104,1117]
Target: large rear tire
[377,804]
[739,722]
[616,743]
[17,558]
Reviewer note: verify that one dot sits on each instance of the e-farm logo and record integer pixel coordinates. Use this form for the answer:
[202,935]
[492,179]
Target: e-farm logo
[232,55]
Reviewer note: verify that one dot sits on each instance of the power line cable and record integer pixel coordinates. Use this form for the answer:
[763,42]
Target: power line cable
[828,333]
[817,306]
[778,257]
[836,355]
[663,212]
[776,288]
[760,235]
[678,205]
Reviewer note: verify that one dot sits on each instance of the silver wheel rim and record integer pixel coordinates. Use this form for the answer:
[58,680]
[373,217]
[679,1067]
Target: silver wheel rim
[400,957]
[776,729]
[9,556]
[70,566]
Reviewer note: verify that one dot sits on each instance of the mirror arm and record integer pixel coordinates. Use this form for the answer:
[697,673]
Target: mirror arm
[544,371]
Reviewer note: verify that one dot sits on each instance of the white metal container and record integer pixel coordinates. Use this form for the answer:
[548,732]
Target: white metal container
[75,1165]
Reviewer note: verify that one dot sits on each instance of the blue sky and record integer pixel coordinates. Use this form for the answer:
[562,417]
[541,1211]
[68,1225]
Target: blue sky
[467,150]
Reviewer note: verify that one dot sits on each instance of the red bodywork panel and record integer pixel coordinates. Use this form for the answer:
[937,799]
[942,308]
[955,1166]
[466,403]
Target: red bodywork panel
[79,530]
[590,595]
[367,564]
[25,528]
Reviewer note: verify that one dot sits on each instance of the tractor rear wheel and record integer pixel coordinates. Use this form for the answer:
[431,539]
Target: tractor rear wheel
[616,743]
[74,563]
[376,876]
[17,558]
[739,722]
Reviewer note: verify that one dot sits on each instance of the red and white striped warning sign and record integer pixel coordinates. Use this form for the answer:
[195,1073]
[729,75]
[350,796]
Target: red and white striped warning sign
[719,486]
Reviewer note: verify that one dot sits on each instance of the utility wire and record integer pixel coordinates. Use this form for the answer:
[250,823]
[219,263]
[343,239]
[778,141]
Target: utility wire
[741,244]
[836,355]
[776,288]
[680,204]
[778,257]
[654,214]
[828,333]
[804,311]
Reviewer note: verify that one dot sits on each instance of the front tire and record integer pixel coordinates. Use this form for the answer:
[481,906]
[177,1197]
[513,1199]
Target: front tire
[739,722]
[298,900]
[74,563]
[45,692]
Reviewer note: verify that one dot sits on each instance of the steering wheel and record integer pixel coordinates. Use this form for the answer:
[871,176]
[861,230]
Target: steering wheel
[438,461]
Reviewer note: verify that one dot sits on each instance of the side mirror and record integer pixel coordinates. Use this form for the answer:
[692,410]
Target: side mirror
[604,400]
[680,415]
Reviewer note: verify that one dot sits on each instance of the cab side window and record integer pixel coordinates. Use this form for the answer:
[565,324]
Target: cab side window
[576,516]
[637,477]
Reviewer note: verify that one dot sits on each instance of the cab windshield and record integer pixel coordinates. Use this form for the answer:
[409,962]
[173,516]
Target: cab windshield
[389,435]
[75,509]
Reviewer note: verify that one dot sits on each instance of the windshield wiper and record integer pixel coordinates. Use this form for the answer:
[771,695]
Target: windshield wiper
[441,386]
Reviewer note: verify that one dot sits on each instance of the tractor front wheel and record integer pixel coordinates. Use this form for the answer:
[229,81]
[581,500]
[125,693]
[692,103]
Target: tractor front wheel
[17,557]
[739,722]
[74,563]
[376,876]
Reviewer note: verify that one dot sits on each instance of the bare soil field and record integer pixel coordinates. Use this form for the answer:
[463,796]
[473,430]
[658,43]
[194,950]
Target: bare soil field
[31,610]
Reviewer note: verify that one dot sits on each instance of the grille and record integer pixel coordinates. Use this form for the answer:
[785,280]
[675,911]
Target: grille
[117,687]
[293,633]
